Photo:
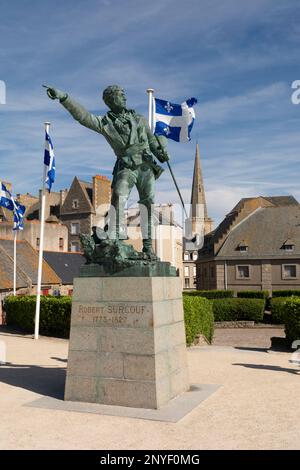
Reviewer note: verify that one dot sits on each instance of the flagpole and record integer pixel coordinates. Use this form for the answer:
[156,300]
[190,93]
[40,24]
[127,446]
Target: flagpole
[150,92]
[15,261]
[41,249]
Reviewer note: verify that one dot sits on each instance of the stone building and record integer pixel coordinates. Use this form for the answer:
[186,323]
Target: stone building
[167,234]
[199,223]
[256,246]
[84,206]
[55,233]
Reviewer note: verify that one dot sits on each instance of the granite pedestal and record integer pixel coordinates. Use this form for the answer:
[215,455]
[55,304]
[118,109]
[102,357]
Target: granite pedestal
[127,342]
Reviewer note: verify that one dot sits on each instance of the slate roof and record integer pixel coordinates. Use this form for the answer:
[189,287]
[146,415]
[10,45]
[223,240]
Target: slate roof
[265,232]
[27,262]
[66,265]
[7,273]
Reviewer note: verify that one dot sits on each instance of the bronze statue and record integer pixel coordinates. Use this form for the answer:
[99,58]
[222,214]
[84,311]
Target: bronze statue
[135,147]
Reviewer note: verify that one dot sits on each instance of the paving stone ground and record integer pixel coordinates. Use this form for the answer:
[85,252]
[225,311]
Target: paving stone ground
[255,407]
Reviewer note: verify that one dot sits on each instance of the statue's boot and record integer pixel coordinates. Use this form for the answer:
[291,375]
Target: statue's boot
[148,250]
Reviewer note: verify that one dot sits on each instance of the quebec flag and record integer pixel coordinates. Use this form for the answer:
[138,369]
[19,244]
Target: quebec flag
[174,121]
[49,161]
[19,212]
[7,201]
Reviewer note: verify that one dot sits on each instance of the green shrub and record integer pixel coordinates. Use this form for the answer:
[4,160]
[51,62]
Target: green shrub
[253,294]
[291,316]
[238,309]
[277,309]
[55,314]
[198,318]
[211,294]
[286,293]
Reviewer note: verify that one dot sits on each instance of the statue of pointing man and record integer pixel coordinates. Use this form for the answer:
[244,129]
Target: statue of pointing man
[134,145]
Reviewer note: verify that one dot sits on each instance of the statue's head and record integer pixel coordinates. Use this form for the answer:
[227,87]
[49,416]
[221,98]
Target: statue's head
[114,97]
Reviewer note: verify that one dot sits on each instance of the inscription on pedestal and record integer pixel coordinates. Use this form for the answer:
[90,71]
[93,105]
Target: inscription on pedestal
[112,314]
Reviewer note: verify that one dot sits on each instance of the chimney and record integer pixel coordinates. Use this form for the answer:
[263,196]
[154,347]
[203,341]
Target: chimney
[101,192]
[63,195]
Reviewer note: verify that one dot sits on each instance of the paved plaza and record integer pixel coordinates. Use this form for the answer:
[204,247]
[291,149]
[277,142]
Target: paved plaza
[255,407]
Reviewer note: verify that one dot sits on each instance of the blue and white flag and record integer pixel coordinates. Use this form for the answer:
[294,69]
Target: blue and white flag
[49,161]
[19,212]
[174,121]
[6,198]
[7,201]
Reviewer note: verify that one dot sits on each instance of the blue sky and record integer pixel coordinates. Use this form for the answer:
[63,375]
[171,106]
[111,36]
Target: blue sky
[238,58]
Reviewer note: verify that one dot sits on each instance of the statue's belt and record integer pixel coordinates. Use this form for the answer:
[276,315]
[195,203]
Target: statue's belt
[137,156]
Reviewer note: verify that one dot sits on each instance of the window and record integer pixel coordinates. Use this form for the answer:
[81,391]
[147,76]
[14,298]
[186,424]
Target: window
[61,243]
[243,271]
[75,204]
[289,271]
[194,270]
[186,271]
[195,256]
[37,242]
[186,282]
[74,246]
[186,256]
[288,247]
[74,228]
[195,281]
[242,246]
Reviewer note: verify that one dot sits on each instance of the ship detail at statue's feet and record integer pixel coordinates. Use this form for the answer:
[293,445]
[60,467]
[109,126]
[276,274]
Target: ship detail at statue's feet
[149,253]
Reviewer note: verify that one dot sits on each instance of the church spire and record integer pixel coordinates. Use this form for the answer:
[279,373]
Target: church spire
[198,213]
[198,194]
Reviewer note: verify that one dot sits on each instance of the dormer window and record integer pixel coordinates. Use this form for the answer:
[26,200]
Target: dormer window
[243,246]
[288,245]
[75,204]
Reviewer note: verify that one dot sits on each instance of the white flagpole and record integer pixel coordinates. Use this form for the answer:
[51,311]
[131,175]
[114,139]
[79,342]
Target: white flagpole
[150,92]
[15,261]
[41,247]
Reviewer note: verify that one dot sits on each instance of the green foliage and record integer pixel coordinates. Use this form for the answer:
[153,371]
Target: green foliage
[286,293]
[55,314]
[198,318]
[277,309]
[253,294]
[238,309]
[211,294]
[291,316]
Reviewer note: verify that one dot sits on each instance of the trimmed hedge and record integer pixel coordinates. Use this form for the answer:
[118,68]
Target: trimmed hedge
[291,315]
[198,318]
[254,294]
[277,309]
[55,314]
[238,309]
[211,294]
[286,293]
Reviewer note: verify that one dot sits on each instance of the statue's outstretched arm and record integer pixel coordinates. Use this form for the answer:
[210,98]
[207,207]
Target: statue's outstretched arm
[78,112]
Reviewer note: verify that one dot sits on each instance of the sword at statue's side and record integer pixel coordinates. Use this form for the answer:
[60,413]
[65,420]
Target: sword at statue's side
[173,177]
